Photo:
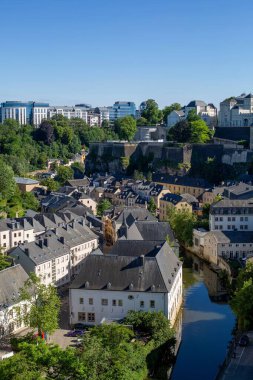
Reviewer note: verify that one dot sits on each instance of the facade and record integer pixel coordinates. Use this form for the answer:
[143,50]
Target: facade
[122,109]
[232,214]
[69,112]
[57,255]
[24,112]
[223,244]
[207,112]
[11,281]
[111,285]
[174,200]
[182,184]
[236,112]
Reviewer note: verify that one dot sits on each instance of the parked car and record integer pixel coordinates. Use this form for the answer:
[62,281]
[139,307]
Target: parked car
[74,333]
[244,341]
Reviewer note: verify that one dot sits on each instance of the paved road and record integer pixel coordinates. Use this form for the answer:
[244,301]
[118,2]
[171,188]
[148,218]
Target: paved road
[241,367]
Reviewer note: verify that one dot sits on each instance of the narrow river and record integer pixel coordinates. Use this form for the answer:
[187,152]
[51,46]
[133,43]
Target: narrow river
[206,325]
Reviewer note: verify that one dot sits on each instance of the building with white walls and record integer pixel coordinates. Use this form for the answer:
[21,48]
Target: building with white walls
[135,275]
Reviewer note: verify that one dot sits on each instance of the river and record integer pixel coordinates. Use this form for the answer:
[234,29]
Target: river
[206,325]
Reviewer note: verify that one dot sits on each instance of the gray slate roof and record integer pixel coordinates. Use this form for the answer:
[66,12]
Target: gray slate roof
[233,236]
[130,273]
[131,214]
[11,281]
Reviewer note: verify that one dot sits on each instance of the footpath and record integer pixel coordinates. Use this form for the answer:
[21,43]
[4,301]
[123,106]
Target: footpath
[240,364]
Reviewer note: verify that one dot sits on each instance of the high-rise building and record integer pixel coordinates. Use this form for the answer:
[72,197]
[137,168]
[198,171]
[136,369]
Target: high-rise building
[24,112]
[121,109]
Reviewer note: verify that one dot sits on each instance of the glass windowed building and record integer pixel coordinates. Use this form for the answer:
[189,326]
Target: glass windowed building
[24,112]
[121,109]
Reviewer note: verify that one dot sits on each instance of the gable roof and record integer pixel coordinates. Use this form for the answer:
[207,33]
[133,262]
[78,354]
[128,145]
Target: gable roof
[131,273]
[11,281]
[195,103]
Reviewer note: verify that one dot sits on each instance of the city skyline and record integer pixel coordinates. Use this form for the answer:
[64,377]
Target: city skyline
[103,52]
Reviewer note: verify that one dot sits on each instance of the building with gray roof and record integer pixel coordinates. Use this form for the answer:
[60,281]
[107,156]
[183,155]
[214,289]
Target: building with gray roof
[11,281]
[108,286]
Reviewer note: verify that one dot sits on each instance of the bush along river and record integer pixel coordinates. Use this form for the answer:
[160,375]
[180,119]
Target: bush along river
[207,323]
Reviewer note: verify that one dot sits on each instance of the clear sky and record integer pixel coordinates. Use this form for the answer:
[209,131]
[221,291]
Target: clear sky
[99,51]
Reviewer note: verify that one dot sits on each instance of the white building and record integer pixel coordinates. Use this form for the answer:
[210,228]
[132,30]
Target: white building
[58,254]
[128,278]
[231,214]
[236,112]
[68,112]
[207,112]
[11,281]
[20,230]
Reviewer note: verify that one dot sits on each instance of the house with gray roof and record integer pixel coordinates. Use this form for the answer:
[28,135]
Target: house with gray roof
[11,281]
[57,255]
[109,286]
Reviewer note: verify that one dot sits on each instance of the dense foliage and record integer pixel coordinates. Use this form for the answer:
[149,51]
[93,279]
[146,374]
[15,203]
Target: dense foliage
[191,130]
[182,223]
[108,352]
[45,305]
[242,300]
[102,206]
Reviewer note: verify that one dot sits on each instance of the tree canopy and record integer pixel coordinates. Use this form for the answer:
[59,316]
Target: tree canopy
[102,206]
[44,311]
[125,127]
[191,130]
[152,113]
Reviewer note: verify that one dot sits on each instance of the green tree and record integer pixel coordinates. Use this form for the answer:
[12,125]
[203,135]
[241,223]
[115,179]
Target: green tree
[44,311]
[63,174]
[105,124]
[7,182]
[200,133]
[50,183]
[181,132]
[152,206]
[102,206]
[138,175]
[151,112]
[168,109]
[182,223]
[29,201]
[125,127]
[242,305]
[141,121]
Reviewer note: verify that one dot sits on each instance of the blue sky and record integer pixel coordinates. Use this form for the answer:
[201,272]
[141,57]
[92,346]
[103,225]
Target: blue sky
[99,51]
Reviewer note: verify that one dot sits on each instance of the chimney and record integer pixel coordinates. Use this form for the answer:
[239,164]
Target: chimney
[40,243]
[46,242]
[27,251]
[62,239]
[142,260]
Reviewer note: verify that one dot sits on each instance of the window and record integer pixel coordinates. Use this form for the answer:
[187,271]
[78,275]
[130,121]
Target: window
[4,245]
[113,302]
[141,303]
[81,301]
[19,234]
[104,301]
[241,218]
[90,301]
[152,304]
[120,303]
[15,235]
[91,317]
[4,236]
[81,316]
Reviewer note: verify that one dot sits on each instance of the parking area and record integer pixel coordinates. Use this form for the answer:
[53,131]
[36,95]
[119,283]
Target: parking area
[241,365]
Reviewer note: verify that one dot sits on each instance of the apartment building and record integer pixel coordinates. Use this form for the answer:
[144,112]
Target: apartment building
[173,200]
[58,254]
[128,278]
[24,112]
[232,214]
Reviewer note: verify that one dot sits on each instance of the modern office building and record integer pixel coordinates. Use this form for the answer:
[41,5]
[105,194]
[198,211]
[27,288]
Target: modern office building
[69,112]
[121,109]
[24,112]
